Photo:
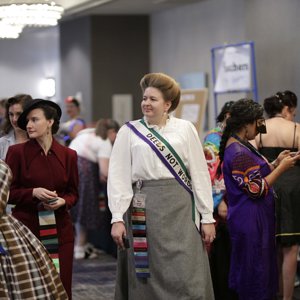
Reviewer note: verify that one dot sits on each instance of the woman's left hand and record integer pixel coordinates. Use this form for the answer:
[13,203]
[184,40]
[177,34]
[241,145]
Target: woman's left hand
[55,205]
[208,233]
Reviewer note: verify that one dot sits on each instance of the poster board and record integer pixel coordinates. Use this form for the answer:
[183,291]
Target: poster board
[192,107]
[122,108]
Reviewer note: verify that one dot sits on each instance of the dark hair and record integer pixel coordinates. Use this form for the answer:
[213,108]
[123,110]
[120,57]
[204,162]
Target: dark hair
[225,109]
[21,99]
[3,102]
[274,104]
[166,84]
[103,125]
[242,112]
[50,113]
[71,99]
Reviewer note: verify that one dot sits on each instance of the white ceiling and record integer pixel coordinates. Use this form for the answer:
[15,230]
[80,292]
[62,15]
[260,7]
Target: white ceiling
[115,7]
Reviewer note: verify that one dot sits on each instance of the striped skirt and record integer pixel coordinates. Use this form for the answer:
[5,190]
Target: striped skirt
[178,261]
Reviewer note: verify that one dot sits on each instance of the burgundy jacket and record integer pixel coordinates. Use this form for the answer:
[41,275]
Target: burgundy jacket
[56,171]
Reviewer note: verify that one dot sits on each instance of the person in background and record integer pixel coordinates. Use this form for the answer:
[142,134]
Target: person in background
[45,184]
[69,129]
[93,147]
[219,254]
[284,134]
[158,175]
[27,271]
[12,133]
[251,207]
[2,112]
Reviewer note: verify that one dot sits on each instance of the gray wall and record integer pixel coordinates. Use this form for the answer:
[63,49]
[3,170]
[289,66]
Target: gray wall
[24,62]
[107,55]
[75,62]
[120,57]
[274,25]
[181,40]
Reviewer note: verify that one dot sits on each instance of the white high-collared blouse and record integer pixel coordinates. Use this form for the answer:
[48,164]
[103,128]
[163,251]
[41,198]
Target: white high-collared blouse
[133,159]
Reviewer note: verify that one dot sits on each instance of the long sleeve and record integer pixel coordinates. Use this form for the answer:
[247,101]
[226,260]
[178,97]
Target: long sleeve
[71,193]
[18,193]
[247,174]
[119,183]
[200,177]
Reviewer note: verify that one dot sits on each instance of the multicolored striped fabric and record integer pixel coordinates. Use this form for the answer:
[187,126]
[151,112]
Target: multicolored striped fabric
[48,234]
[27,271]
[140,245]
[211,147]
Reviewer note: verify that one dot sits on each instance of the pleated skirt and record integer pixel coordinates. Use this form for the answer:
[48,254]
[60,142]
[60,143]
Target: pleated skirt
[178,261]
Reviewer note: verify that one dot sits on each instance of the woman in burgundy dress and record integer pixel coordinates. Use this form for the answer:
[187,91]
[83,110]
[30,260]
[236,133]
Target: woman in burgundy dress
[251,210]
[45,180]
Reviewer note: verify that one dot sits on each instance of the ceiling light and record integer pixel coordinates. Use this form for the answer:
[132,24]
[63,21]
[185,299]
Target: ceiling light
[9,31]
[47,87]
[37,14]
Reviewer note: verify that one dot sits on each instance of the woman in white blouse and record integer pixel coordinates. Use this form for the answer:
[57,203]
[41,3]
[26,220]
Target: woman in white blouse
[159,189]
[93,147]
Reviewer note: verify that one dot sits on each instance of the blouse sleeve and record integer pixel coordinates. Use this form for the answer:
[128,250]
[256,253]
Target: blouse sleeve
[18,194]
[200,177]
[119,184]
[104,149]
[246,173]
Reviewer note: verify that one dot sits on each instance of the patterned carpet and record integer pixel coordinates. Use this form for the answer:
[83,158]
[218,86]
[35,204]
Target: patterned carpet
[94,279]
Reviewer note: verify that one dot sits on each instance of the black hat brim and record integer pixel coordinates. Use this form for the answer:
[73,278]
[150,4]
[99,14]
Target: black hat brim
[36,103]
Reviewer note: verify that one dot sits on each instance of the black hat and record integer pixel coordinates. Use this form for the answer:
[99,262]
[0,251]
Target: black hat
[36,103]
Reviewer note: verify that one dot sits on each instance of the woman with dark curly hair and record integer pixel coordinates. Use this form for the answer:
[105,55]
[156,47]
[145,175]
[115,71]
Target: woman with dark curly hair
[251,209]
[281,110]
[219,253]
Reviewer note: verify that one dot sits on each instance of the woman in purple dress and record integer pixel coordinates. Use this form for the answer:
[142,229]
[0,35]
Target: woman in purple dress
[251,210]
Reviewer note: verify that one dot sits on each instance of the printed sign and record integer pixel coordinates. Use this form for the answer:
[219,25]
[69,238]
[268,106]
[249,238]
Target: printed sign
[233,68]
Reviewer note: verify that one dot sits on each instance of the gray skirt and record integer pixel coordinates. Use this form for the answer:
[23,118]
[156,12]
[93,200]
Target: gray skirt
[178,261]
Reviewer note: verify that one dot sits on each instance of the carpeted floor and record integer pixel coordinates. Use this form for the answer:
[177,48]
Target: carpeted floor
[94,279]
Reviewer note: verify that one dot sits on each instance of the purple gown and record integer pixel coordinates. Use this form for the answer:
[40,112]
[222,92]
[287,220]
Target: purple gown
[251,223]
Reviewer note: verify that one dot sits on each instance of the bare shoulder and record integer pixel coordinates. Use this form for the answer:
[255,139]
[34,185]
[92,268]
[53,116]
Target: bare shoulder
[297,137]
